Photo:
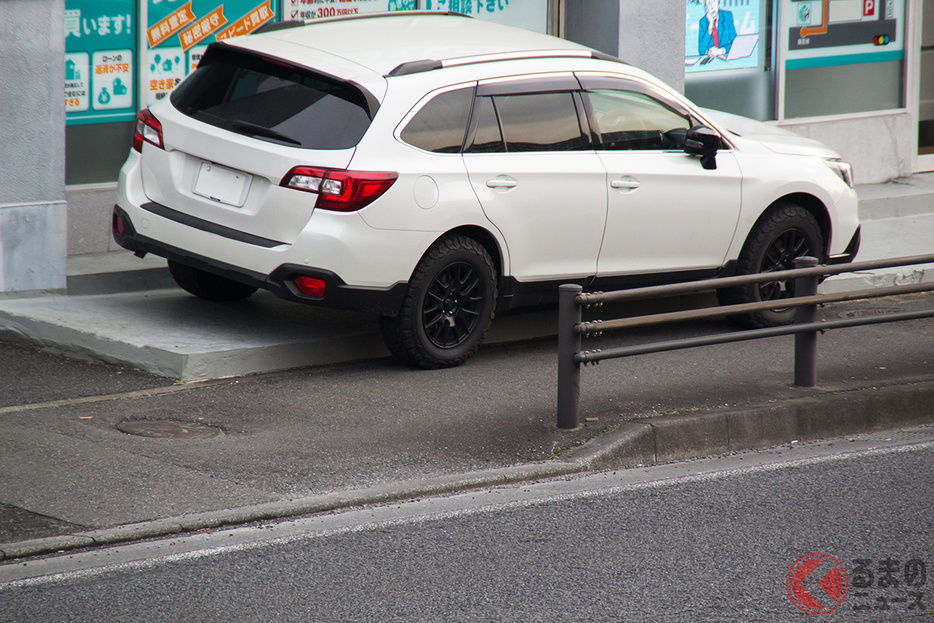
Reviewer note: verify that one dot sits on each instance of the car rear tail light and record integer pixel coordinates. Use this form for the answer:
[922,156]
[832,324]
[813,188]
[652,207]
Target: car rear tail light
[309,286]
[341,191]
[148,129]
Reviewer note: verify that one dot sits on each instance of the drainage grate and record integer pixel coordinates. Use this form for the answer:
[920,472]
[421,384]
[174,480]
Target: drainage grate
[169,428]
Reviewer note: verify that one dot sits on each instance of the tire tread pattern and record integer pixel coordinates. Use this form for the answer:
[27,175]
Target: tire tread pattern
[401,333]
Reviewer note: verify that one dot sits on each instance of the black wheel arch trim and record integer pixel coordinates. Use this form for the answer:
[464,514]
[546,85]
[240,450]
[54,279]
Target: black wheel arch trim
[852,249]
[810,203]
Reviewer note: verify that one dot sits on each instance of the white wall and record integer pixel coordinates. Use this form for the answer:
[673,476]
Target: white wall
[880,147]
[33,212]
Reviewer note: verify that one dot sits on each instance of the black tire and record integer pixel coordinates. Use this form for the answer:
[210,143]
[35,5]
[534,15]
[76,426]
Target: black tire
[207,285]
[449,305]
[785,233]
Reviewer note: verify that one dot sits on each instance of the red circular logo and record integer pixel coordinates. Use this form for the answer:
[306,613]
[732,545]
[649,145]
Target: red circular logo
[817,583]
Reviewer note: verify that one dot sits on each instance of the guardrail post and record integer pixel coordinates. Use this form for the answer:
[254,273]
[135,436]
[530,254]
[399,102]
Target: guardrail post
[806,343]
[569,370]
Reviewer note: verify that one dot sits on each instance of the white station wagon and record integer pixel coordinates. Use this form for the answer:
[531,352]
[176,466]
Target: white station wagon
[432,169]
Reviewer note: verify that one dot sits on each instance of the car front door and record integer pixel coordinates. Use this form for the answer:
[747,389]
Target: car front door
[537,176]
[666,213]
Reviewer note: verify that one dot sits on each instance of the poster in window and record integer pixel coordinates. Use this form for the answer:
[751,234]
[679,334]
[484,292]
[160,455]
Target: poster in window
[100,66]
[322,9]
[723,34]
[827,33]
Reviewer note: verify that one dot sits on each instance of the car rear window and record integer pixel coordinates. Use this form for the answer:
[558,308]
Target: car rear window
[272,100]
[441,124]
[525,122]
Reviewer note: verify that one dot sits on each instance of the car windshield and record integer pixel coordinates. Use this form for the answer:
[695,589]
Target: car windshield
[272,100]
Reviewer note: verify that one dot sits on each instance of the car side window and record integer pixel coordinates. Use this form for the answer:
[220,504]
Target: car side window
[540,122]
[627,120]
[526,122]
[488,138]
[441,123]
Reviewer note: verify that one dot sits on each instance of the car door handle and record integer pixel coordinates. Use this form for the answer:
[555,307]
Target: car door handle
[625,184]
[502,182]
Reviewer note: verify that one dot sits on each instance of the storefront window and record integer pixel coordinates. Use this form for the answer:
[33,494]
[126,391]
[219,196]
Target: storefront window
[842,56]
[176,36]
[727,56]
[836,57]
[528,14]
[123,55]
[100,87]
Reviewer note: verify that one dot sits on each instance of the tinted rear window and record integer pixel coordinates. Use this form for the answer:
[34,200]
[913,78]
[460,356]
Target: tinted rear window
[272,100]
[527,122]
[440,125]
[540,122]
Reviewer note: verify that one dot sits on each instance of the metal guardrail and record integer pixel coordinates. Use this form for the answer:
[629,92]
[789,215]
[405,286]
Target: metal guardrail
[807,274]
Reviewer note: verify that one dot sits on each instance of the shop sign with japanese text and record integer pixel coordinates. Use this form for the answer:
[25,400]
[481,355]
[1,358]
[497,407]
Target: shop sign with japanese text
[178,32]
[100,64]
[528,14]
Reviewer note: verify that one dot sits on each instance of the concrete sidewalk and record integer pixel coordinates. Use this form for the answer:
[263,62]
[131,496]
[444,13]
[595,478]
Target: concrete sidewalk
[79,469]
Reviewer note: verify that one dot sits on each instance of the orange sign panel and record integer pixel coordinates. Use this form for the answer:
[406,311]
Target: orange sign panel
[203,28]
[170,25]
[249,22]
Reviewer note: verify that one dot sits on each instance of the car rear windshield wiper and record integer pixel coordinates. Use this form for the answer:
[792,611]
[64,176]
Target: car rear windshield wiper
[253,129]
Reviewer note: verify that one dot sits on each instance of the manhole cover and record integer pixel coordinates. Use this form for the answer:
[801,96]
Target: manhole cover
[168,428]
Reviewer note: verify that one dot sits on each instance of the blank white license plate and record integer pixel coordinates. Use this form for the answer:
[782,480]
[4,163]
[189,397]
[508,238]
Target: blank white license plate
[222,184]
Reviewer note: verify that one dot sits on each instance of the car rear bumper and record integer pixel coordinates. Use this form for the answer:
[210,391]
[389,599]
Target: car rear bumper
[384,301]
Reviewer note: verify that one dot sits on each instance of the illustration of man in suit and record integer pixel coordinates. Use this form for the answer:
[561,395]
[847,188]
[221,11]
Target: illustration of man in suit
[716,32]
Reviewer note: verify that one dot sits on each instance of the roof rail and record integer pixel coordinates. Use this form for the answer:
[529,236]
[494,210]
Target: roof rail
[273,26]
[423,65]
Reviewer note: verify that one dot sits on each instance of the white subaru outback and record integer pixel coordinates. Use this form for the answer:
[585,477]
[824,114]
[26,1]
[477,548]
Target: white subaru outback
[432,168]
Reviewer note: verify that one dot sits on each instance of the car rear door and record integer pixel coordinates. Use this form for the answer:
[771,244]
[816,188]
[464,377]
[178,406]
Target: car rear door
[537,177]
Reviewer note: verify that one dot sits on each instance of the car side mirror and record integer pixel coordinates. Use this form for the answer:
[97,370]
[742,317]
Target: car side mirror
[704,142]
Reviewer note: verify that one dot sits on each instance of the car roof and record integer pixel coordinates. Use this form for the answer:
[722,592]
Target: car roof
[385,42]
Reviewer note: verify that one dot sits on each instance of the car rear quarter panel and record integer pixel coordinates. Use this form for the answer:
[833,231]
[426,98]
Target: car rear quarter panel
[433,192]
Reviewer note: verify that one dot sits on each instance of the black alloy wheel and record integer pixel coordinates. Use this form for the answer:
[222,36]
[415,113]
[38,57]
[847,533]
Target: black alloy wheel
[448,307]
[453,305]
[781,255]
[784,233]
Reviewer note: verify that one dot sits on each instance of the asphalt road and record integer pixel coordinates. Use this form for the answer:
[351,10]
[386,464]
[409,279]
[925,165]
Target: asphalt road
[69,467]
[710,540]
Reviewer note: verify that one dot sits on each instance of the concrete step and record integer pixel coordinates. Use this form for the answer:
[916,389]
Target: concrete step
[116,271]
[902,197]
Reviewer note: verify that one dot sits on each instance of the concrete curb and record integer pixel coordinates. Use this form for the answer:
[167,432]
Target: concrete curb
[648,441]
[832,413]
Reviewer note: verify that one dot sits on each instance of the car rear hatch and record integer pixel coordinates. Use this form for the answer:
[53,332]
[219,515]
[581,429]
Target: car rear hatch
[233,130]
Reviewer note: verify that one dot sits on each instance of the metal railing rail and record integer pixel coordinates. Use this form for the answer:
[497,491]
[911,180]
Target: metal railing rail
[571,328]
